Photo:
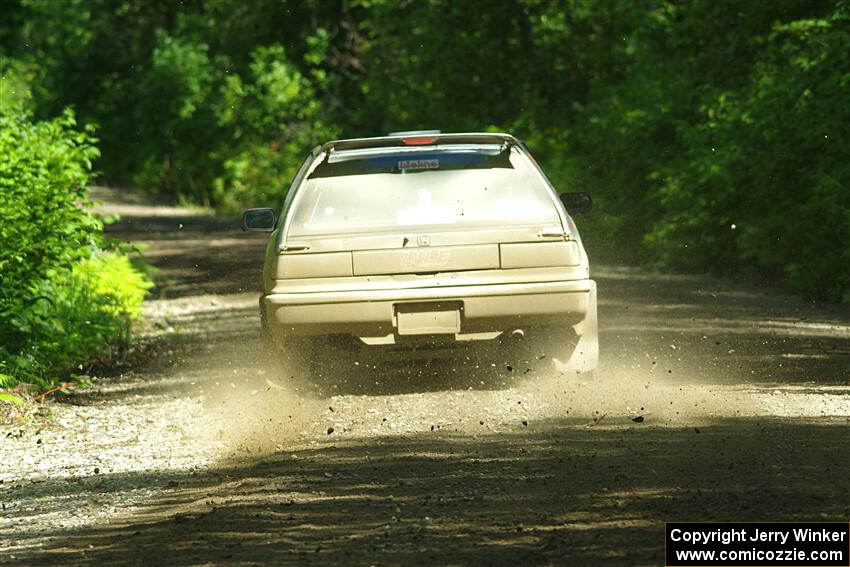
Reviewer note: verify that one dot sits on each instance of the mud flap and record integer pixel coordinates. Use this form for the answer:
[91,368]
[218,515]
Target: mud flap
[585,356]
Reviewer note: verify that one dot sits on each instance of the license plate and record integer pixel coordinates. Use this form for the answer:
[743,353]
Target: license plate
[419,319]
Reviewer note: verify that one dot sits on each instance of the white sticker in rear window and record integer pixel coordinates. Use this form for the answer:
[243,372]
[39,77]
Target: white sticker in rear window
[419,164]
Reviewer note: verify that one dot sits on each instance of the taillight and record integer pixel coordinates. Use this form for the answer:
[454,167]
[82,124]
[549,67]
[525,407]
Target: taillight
[324,265]
[419,141]
[539,254]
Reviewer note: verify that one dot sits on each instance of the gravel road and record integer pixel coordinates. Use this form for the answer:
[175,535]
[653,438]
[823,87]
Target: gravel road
[715,401]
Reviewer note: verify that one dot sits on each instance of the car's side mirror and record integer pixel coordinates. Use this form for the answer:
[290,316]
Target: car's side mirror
[258,220]
[576,203]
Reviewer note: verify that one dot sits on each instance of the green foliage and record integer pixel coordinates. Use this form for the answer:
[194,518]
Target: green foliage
[177,90]
[81,317]
[12,399]
[44,174]
[759,184]
[61,301]
[272,115]
[15,91]
[114,283]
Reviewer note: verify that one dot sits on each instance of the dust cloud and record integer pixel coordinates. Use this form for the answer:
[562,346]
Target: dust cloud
[256,406]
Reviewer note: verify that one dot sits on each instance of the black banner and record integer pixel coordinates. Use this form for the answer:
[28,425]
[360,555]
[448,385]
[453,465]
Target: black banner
[744,544]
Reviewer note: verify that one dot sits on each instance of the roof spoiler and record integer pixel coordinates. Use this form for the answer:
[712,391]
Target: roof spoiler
[406,133]
[398,140]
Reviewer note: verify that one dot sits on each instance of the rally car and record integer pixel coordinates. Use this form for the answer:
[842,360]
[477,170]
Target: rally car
[424,240]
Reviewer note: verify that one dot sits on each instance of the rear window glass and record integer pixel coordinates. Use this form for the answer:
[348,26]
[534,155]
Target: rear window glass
[364,192]
[412,161]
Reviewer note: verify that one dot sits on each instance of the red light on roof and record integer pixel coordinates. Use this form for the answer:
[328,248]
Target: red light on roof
[419,141]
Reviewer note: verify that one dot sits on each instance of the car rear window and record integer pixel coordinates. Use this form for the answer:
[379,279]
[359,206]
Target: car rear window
[361,191]
[413,160]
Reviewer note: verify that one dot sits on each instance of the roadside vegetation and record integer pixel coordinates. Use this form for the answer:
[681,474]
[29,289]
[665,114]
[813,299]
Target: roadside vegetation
[67,295]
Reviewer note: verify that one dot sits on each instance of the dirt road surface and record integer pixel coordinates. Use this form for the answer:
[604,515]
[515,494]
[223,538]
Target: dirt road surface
[715,401]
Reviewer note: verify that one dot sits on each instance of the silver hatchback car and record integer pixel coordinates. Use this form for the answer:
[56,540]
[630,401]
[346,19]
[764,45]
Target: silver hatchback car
[427,240]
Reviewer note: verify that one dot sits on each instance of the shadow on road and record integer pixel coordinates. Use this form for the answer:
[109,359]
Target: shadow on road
[559,492]
[196,254]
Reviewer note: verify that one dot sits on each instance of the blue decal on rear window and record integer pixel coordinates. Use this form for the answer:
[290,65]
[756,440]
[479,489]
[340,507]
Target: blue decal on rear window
[409,164]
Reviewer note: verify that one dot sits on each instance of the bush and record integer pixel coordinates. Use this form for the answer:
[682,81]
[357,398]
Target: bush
[15,92]
[62,300]
[274,118]
[77,319]
[762,188]
[47,225]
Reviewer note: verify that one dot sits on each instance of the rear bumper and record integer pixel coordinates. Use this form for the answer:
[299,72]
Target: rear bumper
[483,308]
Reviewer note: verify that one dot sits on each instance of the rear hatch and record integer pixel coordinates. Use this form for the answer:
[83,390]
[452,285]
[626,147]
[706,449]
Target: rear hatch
[431,210]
